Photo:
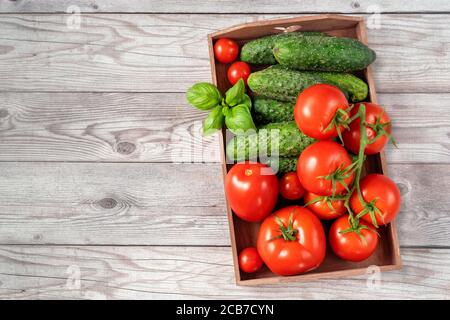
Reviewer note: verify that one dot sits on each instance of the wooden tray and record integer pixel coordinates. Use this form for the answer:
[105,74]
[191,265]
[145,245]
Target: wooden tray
[244,234]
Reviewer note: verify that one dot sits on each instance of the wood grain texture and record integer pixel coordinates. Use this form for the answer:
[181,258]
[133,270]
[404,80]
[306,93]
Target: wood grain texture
[112,127]
[227,6]
[167,53]
[192,273]
[169,204]
[161,127]
[93,203]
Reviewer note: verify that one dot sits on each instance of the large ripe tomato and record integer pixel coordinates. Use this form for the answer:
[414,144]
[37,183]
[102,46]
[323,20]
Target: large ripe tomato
[377,120]
[321,163]
[226,50]
[237,71]
[324,208]
[249,260]
[383,197]
[290,186]
[349,245]
[291,241]
[316,108]
[252,190]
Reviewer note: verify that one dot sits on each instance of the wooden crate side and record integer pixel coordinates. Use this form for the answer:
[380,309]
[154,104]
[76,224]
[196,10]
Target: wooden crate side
[224,170]
[361,31]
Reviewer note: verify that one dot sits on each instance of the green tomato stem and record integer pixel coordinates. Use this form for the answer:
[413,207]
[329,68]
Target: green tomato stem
[363,141]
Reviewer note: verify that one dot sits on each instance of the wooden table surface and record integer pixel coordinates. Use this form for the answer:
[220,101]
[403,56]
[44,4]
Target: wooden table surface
[94,199]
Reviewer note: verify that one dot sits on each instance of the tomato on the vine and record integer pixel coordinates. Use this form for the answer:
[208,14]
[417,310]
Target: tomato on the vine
[378,129]
[249,260]
[325,168]
[320,110]
[382,198]
[290,186]
[324,207]
[291,241]
[237,71]
[352,244]
[226,50]
[252,190]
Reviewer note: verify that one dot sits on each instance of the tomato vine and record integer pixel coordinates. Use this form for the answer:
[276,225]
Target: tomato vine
[357,167]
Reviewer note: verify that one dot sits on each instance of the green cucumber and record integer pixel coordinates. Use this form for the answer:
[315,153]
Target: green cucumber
[290,142]
[279,83]
[282,165]
[323,54]
[259,51]
[269,110]
[354,88]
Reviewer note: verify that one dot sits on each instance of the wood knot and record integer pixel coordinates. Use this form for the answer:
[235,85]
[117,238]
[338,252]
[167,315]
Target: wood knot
[125,147]
[3,113]
[38,237]
[107,203]
[404,189]
[355,4]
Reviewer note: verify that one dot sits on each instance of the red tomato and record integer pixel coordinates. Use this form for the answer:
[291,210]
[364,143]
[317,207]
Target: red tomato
[290,186]
[226,50]
[249,260]
[384,194]
[252,190]
[291,241]
[349,246]
[315,109]
[322,209]
[377,120]
[237,71]
[322,159]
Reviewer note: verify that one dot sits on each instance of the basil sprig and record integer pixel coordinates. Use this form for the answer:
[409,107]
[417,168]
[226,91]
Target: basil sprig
[235,94]
[214,121]
[239,120]
[233,109]
[203,96]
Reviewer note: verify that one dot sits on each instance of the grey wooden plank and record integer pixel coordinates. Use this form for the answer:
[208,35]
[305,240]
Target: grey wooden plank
[162,127]
[168,52]
[93,203]
[229,6]
[169,204]
[36,272]
[118,127]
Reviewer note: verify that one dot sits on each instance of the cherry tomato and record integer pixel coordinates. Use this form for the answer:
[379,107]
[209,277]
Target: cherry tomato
[384,194]
[226,50]
[252,190]
[290,186]
[323,209]
[324,159]
[249,260]
[349,246]
[237,71]
[377,120]
[315,109]
[291,241]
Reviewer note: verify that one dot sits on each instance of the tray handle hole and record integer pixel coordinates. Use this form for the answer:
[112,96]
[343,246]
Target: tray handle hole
[288,29]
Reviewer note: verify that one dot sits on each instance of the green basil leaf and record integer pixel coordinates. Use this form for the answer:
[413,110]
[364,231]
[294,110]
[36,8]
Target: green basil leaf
[246,101]
[235,94]
[203,96]
[239,120]
[214,121]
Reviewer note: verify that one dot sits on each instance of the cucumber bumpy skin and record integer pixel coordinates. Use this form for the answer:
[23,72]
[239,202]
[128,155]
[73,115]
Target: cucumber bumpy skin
[259,51]
[282,165]
[323,54]
[269,110]
[291,142]
[280,83]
